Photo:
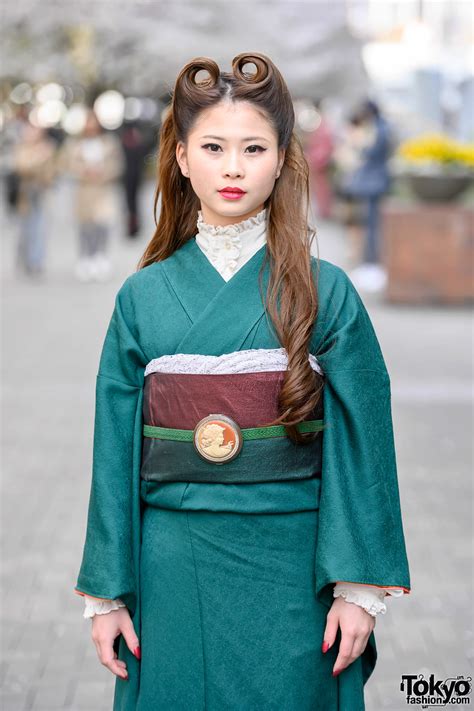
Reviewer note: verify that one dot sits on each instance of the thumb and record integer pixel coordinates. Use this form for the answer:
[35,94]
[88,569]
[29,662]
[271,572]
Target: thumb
[332,624]
[130,636]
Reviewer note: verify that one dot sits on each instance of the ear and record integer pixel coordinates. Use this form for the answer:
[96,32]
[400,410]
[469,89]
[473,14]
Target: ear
[281,158]
[181,158]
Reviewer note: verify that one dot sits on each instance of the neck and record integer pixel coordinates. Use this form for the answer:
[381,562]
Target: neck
[212,218]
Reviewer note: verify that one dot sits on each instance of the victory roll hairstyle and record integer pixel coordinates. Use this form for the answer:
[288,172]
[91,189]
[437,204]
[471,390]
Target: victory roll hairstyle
[291,281]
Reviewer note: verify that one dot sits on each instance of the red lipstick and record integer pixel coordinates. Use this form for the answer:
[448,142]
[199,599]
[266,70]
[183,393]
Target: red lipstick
[232,193]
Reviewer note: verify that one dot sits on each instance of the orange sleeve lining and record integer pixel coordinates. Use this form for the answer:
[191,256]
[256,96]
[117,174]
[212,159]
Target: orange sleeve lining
[388,587]
[78,592]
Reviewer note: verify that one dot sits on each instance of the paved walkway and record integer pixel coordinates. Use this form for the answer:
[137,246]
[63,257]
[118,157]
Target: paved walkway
[52,339]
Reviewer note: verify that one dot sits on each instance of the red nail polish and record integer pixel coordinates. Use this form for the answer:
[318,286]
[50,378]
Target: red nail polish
[338,671]
[325,647]
[137,652]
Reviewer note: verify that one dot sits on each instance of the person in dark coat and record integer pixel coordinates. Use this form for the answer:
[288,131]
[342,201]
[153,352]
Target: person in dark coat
[369,182]
[134,148]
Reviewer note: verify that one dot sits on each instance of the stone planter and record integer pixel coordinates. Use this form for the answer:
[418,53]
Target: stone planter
[440,188]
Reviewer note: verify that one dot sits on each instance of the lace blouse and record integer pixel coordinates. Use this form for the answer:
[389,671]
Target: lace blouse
[228,248]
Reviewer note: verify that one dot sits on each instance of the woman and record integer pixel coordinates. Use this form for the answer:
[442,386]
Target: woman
[95,161]
[319,154]
[34,164]
[227,575]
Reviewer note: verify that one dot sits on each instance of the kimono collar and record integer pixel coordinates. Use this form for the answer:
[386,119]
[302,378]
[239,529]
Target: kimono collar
[228,247]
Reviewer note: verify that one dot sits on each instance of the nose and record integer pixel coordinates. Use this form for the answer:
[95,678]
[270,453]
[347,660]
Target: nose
[232,166]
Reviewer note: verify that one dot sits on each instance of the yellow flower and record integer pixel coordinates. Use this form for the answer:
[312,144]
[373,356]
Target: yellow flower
[438,148]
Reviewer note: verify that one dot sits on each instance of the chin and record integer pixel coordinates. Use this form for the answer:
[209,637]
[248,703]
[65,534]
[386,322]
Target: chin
[237,208]
[230,210]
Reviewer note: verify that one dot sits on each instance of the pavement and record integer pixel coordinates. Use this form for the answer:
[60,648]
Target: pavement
[53,333]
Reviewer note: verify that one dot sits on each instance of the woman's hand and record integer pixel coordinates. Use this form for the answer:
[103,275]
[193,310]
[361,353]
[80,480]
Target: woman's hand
[105,628]
[356,626]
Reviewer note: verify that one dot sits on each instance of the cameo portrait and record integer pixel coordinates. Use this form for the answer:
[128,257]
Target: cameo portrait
[217,440]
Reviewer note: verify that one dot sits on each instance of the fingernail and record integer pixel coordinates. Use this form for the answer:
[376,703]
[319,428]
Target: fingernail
[137,652]
[325,647]
[336,672]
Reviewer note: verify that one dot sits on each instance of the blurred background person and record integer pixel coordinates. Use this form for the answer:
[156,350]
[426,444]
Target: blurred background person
[369,181]
[95,161]
[34,165]
[9,138]
[348,156]
[319,152]
[135,147]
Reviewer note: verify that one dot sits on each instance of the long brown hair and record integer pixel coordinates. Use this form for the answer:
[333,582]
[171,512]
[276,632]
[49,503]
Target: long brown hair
[291,281]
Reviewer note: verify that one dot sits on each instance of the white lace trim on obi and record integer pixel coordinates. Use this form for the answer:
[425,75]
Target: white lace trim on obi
[253,360]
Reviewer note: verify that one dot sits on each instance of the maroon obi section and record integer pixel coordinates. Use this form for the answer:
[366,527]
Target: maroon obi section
[180,400]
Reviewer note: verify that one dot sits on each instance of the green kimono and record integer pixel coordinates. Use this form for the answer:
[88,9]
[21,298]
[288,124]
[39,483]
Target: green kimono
[229,585]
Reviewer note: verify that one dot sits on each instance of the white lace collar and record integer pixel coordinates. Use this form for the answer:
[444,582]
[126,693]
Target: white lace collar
[228,247]
[230,230]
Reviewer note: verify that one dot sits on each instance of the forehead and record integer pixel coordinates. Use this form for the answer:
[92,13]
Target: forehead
[233,120]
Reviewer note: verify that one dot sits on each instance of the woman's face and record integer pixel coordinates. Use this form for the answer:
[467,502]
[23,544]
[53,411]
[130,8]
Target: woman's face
[32,134]
[231,146]
[92,126]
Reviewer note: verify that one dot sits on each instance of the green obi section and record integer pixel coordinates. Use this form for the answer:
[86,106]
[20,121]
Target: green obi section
[266,455]
[270,497]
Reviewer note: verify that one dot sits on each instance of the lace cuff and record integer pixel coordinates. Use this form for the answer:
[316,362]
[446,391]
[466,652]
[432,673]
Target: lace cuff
[94,606]
[369,597]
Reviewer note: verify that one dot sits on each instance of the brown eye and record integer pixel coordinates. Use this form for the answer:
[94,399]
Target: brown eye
[214,145]
[260,149]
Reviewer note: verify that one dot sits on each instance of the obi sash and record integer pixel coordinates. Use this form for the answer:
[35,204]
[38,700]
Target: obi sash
[179,400]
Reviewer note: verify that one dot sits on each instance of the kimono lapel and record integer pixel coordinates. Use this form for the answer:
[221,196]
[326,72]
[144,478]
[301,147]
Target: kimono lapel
[221,313]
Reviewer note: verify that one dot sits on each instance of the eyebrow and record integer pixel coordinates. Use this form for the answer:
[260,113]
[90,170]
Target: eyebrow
[249,138]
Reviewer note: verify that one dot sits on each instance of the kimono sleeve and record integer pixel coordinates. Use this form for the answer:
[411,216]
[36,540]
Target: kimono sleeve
[110,555]
[360,532]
